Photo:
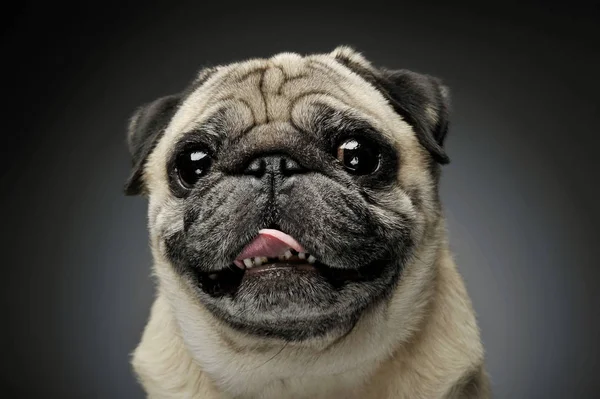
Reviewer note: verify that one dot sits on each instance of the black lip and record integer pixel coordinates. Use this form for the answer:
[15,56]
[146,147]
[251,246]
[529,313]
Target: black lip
[297,266]
[226,282]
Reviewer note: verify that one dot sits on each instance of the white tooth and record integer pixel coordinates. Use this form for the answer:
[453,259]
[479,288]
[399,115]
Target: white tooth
[287,254]
[311,259]
[302,255]
[258,261]
[212,276]
[248,262]
[282,257]
[265,259]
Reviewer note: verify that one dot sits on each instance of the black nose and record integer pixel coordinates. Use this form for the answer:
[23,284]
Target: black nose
[281,165]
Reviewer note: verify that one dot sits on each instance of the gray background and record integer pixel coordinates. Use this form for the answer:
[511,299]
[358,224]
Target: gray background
[520,193]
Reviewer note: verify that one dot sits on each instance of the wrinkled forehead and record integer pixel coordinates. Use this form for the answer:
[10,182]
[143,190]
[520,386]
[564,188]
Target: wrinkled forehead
[285,88]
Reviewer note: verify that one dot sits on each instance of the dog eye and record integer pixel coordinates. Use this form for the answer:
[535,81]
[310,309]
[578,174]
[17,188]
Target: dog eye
[359,156]
[191,165]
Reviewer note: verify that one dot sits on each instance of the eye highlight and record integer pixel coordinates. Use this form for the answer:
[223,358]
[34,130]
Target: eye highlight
[359,156]
[191,164]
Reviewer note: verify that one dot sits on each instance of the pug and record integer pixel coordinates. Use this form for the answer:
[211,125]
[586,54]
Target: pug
[299,243]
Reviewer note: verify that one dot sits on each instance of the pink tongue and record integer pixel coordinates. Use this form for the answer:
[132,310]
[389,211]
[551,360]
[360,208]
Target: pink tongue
[270,243]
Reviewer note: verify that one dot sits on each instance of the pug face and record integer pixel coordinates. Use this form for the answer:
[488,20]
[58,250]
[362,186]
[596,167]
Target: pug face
[287,195]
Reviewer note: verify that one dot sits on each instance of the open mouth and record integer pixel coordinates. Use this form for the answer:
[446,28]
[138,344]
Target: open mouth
[274,254]
[291,259]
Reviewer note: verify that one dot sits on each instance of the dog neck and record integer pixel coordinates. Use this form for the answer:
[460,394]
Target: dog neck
[429,342]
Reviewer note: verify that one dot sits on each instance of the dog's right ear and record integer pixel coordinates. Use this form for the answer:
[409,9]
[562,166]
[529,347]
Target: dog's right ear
[146,127]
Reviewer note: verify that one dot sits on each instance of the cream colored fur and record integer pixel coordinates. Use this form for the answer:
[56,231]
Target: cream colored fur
[422,343]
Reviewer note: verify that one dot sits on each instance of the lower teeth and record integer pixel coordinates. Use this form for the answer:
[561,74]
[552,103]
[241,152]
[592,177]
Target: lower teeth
[262,260]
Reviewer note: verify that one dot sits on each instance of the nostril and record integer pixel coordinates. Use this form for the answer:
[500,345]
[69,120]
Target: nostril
[257,167]
[289,166]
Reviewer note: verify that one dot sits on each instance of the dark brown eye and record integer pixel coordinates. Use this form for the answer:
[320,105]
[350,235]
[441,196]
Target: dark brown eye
[359,156]
[191,165]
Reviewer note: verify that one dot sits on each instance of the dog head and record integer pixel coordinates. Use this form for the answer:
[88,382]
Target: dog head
[288,195]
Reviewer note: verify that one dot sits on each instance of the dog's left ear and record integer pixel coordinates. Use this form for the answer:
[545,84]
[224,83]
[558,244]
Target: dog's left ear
[422,100]
[146,127]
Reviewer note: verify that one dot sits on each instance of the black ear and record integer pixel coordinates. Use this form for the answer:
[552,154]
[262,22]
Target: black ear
[145,129]
[422,100]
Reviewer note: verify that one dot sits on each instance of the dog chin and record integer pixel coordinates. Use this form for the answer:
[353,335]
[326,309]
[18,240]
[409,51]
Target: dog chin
[293,299]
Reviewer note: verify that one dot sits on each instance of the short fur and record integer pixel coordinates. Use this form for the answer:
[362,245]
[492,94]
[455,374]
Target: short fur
[406,329]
